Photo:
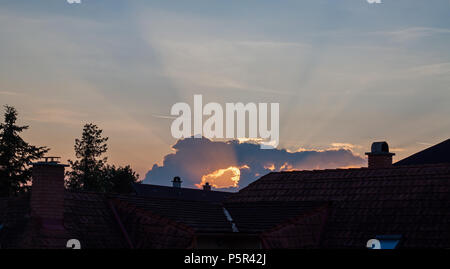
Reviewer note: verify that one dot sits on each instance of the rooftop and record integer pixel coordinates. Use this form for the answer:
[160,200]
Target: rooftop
[157,191]
[335,208]
[436,154]
[408,200]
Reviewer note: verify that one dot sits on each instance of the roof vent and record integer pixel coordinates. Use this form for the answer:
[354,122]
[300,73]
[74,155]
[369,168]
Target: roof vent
[206,187]
[380,157]
[176,182]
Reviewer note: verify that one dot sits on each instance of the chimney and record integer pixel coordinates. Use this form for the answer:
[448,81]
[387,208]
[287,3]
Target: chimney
[47,202]
[176,182]
[380,157]
[206,187]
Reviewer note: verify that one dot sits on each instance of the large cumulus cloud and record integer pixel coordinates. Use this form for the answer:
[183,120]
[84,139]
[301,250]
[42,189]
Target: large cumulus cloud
[197,158]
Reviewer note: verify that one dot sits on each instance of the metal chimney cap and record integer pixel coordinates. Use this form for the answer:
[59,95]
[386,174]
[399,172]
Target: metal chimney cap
[380,148]
[207,187]
[49,160]
[177,179]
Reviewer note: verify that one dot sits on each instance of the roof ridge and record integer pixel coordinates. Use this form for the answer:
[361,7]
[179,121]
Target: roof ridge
[85,192]
[169,187]
[363,169]
[143,197]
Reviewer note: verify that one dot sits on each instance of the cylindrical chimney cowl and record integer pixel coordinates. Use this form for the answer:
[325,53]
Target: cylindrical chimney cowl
[380,157]
[176,182]
[206,187]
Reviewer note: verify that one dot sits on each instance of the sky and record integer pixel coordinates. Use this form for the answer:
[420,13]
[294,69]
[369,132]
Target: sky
[345,73]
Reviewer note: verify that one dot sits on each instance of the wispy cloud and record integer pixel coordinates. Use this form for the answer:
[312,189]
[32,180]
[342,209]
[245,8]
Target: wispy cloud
[350,146]
[438,69]
[425,143]
[12,93]
[59,116]
[412,33]
[164,116]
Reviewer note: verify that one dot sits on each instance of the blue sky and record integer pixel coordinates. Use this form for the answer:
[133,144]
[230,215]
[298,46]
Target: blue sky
[344,72]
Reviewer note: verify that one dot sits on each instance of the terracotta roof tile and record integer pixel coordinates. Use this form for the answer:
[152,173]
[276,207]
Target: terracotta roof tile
[203,217]
[409,200]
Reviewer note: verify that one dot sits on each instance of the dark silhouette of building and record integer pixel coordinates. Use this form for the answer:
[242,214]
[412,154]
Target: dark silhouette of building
[406,206]
[177,192]
[433,155]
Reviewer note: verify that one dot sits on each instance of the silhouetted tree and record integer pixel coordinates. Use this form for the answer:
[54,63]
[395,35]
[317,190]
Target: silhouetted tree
[87,171]
[16,156]
[120,178]
[90,172]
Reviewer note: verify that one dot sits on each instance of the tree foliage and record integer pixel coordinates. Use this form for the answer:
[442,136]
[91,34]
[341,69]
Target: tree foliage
[16,156]
[87,170]
[90,171]
[120,178]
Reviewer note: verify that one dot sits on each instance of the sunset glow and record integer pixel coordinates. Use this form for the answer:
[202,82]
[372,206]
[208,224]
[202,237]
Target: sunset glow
[339,86]
[286,167]
[270,167]
[223,178]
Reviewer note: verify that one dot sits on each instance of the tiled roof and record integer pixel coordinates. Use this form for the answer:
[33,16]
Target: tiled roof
[3,207]
[157,191]
[88,218]
[396,183]
[303,231]
[327,208]
[145,229]
[433,155]
[203,217]
[256,217]
[413,201]
[14,216]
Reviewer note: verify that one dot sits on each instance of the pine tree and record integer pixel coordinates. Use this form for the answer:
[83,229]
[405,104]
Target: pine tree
[88,171]
[16,156]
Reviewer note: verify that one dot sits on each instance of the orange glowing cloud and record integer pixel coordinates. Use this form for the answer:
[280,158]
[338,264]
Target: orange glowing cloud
[286,167]
[223,178]
[220,163]
[270,167]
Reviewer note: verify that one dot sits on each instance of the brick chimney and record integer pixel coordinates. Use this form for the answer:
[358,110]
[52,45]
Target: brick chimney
[176,182]
[47,203]
[380,157]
